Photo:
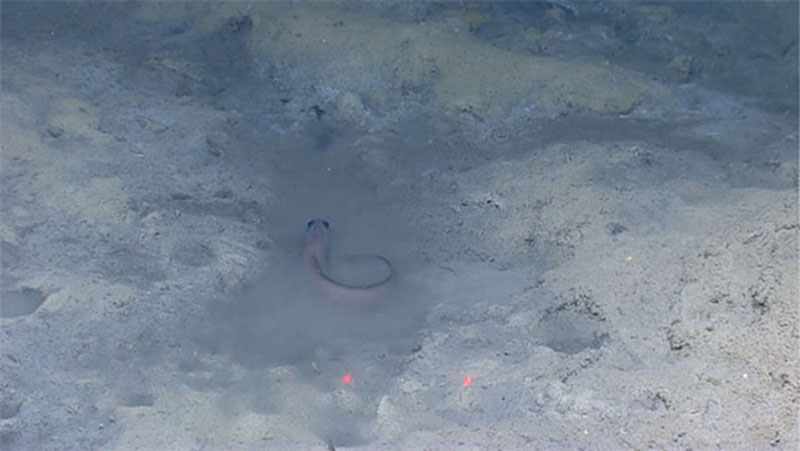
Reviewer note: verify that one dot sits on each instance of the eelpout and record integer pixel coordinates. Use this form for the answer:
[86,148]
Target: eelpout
[315,255]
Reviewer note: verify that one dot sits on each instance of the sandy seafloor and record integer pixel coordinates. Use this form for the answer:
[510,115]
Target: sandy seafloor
[592,209]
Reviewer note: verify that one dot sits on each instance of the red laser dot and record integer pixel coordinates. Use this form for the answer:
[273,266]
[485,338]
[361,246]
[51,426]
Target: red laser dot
[347,379]
[467,381]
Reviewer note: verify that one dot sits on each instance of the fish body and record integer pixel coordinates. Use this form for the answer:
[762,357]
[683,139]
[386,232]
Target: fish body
[315,256]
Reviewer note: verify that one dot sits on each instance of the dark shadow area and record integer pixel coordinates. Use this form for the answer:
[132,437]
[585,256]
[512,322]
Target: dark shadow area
[282,320]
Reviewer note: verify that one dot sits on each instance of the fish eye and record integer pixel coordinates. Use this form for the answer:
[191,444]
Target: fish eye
[326,224]
[310,223]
